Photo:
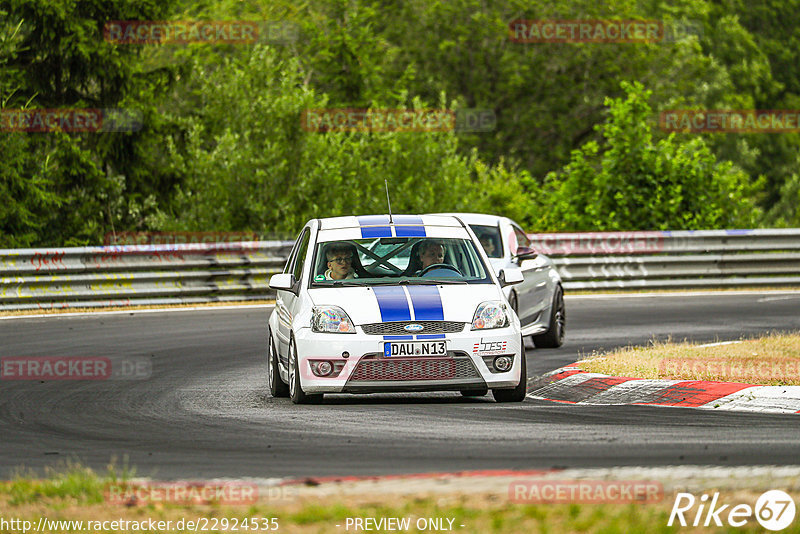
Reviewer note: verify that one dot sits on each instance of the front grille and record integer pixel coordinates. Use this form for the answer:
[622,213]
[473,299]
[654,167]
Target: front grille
[398,328]
[414,369]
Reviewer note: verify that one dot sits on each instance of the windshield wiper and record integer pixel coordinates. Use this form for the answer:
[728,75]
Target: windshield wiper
[343,283]
[432,282]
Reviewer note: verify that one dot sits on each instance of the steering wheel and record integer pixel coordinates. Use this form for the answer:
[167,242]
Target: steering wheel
[429,268]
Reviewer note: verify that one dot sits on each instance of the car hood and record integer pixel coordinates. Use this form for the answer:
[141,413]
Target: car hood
[377,304]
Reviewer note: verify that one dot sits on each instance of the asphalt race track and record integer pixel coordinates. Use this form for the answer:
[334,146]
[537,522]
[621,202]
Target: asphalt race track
[205,412]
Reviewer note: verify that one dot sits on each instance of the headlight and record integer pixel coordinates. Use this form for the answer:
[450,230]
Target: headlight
[490,314]
[332,320]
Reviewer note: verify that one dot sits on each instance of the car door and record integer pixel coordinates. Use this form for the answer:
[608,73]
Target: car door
[532,292]
[288,302]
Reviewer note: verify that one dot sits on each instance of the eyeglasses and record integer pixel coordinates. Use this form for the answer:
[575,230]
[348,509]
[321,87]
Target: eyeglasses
[342,260]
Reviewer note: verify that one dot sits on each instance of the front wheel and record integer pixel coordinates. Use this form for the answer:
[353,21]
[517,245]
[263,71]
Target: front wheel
[277,387]
[554,337]
[295,389]
[518,393]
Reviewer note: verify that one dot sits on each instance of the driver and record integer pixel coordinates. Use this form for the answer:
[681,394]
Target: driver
[340,262]
[430,253]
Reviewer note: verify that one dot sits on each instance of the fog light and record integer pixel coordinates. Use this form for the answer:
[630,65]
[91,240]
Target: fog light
[503,363]
[324,368]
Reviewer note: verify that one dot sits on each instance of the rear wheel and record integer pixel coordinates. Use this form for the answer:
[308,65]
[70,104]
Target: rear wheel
[518,393]
[277,387]
[554,337]
[295,389]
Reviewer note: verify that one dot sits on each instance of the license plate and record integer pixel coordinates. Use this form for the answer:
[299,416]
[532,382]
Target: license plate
[429,348]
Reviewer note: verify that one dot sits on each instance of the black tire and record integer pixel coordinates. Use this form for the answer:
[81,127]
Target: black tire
[554,337]
[474,392]
[518,393]
[277,387]
[296,392]
[513,302]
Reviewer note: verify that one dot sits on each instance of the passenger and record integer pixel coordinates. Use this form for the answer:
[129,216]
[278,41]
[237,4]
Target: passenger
[488,245]
[430,253]
[340,262]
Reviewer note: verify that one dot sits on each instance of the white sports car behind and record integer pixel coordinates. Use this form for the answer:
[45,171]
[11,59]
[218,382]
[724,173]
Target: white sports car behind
[539,298]
[372,304]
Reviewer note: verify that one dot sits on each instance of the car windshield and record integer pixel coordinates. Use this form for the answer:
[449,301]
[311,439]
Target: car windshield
[489,236]
[391,260]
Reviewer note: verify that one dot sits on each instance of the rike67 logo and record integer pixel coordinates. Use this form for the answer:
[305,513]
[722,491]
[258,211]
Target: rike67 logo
[774,510]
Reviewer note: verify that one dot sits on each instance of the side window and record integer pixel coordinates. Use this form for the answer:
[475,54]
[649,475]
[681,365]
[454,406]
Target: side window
[292,255]
[522,239]
[301,255]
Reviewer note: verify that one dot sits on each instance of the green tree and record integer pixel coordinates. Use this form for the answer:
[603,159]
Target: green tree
[250,165]
[24,184]
[99,179]
[632,181]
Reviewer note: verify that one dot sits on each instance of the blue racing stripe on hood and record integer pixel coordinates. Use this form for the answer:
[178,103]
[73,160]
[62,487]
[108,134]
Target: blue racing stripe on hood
[392,303]
[371,226]
[417,230]
[427,303]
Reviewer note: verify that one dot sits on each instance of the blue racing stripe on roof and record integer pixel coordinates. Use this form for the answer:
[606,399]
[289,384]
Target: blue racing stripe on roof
[427,303]
[416,228]
[374,226]
[392,303]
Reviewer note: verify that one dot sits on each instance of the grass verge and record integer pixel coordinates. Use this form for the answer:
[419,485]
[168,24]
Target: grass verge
[76,495]
[770,360]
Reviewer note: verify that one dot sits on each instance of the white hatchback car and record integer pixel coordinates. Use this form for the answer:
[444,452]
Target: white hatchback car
[372,304]
[539,299]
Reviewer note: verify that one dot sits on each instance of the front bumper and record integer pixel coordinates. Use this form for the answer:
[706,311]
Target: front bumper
[467,365]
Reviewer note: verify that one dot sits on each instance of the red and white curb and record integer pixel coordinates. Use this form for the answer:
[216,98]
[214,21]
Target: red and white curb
[573,385]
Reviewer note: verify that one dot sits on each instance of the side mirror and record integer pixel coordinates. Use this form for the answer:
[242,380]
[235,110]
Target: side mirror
[525,253]
[510,275]
[283,281]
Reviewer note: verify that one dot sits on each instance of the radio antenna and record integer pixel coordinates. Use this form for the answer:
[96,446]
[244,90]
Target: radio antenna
[389,202]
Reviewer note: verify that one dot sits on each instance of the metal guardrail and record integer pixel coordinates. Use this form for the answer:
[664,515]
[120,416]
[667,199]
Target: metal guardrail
[208,272]
[675,260]
[139,274]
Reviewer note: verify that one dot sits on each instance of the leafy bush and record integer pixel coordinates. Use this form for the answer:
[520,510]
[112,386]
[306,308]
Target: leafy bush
[635,182]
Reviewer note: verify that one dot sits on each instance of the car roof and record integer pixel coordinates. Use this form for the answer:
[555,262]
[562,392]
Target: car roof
[477,218]
[404,220]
